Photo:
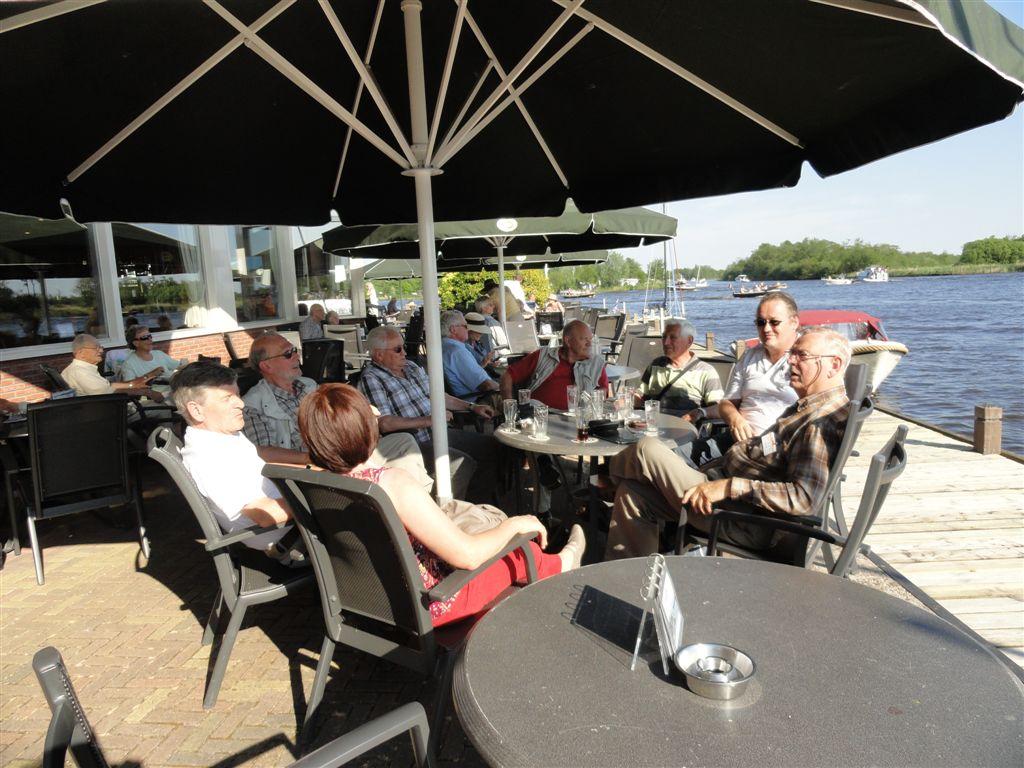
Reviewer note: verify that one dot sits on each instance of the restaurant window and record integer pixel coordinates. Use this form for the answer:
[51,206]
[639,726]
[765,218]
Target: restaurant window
[49,286]
[322,278]
[255,271]
[159,275]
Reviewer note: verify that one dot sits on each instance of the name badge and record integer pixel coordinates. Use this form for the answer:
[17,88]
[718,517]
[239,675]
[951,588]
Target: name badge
[768,443]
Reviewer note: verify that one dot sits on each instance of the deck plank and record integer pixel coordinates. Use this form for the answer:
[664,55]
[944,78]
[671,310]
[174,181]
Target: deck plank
[953,524]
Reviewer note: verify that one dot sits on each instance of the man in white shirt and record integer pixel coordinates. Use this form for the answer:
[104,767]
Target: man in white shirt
[223,463]
[83,376]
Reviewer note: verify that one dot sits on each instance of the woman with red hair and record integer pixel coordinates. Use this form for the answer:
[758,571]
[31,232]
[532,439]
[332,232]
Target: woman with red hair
[340,431]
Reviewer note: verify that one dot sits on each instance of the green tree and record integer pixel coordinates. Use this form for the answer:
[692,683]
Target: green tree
[993,250]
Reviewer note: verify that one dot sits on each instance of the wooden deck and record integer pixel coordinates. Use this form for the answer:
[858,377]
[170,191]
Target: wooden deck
[953,524]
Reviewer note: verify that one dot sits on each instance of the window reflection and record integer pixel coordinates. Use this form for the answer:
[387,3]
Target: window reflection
[322,278]
[255,268]
[49,289]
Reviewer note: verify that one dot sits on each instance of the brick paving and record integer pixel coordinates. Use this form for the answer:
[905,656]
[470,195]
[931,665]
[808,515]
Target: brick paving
[130,635]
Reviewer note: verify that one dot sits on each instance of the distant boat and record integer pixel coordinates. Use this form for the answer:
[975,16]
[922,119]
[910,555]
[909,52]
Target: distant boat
[841,280]
[742,279]
[751,293]
[577,293]
[777,286]
[874,274]
[691,285]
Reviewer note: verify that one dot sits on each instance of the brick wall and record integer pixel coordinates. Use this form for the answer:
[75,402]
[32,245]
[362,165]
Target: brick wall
[22,381]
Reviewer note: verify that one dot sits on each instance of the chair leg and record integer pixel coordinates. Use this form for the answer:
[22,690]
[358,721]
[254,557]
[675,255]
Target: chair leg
[227,642]
[316,693]
[37,552]
[137,495]
[15,541]
[214,620]
[441,696]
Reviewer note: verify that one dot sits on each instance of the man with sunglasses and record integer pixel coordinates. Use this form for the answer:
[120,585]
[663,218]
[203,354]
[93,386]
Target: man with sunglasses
[783,470]
[272,407]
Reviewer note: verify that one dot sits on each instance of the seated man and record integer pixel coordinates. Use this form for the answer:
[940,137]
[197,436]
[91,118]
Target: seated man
[83,376]
[547,371]
[680,380]
[272,407]
[464,376]
[313,326]
[223,463]
[783,470]
[400,391]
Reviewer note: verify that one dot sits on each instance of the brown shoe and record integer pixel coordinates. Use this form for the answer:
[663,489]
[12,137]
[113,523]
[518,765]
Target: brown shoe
[575,548]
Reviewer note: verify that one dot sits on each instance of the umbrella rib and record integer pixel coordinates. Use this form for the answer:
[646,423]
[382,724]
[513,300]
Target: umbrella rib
[176,91]
[304,83]
[20,20]
[905,15]
[449,151]
[685,74]
[359,94]
[370,82]
[507,80]
[469,100]
[442,90]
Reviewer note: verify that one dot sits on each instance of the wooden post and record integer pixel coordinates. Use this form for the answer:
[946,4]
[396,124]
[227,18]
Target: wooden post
[988,428]
[739,348]
[709,341]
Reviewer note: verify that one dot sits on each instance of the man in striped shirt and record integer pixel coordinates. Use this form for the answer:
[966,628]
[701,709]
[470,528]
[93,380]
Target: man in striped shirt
[783,470]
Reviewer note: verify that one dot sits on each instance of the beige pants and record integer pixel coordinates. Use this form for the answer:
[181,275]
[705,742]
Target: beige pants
[400,449]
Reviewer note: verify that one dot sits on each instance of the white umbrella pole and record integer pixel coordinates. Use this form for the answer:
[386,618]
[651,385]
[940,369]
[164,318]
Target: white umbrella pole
[501,289]
[425,224]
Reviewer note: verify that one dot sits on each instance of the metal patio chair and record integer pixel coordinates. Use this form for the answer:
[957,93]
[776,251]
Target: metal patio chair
[70,729]
[371,590]
[323,360]
[246,576]
[522,336]
[78,449]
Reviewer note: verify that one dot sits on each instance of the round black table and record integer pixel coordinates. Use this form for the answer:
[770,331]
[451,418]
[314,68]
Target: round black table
[846,675]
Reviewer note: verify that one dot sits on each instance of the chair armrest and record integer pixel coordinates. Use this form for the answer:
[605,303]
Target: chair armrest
[233,538]
[801,525]
[343,749]
[460,578]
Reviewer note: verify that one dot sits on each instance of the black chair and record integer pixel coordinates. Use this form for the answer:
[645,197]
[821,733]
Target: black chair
[78,449]
[372,321]
[208,359]
[246,576]
[236,361]
[70,729]
[323,360]
[57,383]
[886,466]
[414,337]
[371,590]
[553,319]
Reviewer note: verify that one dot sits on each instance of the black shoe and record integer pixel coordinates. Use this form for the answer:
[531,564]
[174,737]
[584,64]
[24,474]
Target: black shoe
[548,475]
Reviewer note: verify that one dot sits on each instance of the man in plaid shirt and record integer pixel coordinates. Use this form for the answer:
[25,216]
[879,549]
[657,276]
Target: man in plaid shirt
[400,390]
[783,470]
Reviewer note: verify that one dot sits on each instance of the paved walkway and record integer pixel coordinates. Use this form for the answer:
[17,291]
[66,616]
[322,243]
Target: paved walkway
[130,638]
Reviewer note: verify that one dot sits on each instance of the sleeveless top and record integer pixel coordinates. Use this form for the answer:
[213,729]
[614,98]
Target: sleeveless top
[433,570]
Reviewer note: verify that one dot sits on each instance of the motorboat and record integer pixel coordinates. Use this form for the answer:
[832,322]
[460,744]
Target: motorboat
[871,346]
[583,292]
[742,279]
[841,280]
[874,274]
[750,293]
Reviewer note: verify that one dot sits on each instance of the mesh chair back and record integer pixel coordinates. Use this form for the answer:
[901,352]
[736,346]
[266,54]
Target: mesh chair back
[232,353]
[522,336]
[642,350]
[69,727]
[553,319]
[371,321]
[609,327]
[57,383]
[79,446]
[590,315]
[323,360]
[572,312]
[861,408]
[360,551]
[164,447]
[414,332]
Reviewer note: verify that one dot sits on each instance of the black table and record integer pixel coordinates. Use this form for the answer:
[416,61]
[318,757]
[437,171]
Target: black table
[846,675]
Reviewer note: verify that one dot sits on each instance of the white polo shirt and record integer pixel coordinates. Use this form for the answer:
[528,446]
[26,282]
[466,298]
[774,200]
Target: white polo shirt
[761,387]
[85,378]
[228,472]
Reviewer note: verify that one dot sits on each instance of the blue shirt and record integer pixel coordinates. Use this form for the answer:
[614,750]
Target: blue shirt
[462,372]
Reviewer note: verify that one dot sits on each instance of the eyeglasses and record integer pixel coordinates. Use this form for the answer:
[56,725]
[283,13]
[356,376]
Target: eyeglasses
[803,356]
[147,337]
[287,354]
[761,322]
[397,350]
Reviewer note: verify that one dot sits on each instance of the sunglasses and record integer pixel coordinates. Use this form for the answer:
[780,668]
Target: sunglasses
[147,337]
[761,322]
[397,350]
[287,354]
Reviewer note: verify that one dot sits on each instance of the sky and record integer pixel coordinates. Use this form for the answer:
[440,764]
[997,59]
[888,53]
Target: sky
[933,198]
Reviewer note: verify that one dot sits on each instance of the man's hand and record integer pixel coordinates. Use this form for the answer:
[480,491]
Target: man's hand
[740,428]
[487,360]
[482,410]
[155,396]
[702,497]
[448,416]
[693,416]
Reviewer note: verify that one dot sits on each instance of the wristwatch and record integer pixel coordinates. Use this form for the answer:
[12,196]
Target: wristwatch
[703,413]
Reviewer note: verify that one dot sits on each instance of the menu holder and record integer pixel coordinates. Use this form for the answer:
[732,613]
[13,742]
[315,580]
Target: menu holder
[660,599]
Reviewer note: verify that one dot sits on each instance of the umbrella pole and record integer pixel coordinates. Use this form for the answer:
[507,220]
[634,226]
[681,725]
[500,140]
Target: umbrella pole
[425,227]
[501,289]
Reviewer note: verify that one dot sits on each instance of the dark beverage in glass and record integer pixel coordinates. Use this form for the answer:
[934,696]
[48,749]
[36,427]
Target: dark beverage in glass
[582,433]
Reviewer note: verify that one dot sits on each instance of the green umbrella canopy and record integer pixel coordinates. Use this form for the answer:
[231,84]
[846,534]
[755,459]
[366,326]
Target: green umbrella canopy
[466,240]
[403,269]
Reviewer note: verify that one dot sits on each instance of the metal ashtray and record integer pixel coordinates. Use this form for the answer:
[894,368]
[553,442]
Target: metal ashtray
[715,671]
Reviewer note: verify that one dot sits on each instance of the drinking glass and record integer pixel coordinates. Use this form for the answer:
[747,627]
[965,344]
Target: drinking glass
[524,396]
[540,421]
[572,396]
[583,413]
[598,400]
[651,410]
[623,405]
[511,408]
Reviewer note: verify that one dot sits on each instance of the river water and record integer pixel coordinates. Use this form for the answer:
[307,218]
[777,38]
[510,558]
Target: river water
[965,334]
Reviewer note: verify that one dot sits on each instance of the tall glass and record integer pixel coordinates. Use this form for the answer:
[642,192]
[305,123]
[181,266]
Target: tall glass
[583,413]
[651,410]
[623,404]
[524,396]
[598,400]
[540,421]
[572,396]
[511,408]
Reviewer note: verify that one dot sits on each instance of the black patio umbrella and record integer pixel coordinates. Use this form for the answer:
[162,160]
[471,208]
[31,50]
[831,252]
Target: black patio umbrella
[236,111]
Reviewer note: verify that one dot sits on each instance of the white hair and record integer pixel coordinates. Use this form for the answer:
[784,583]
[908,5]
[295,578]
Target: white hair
[83,340]
[686,328]
[378,337]
[449,318]
[835,343]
